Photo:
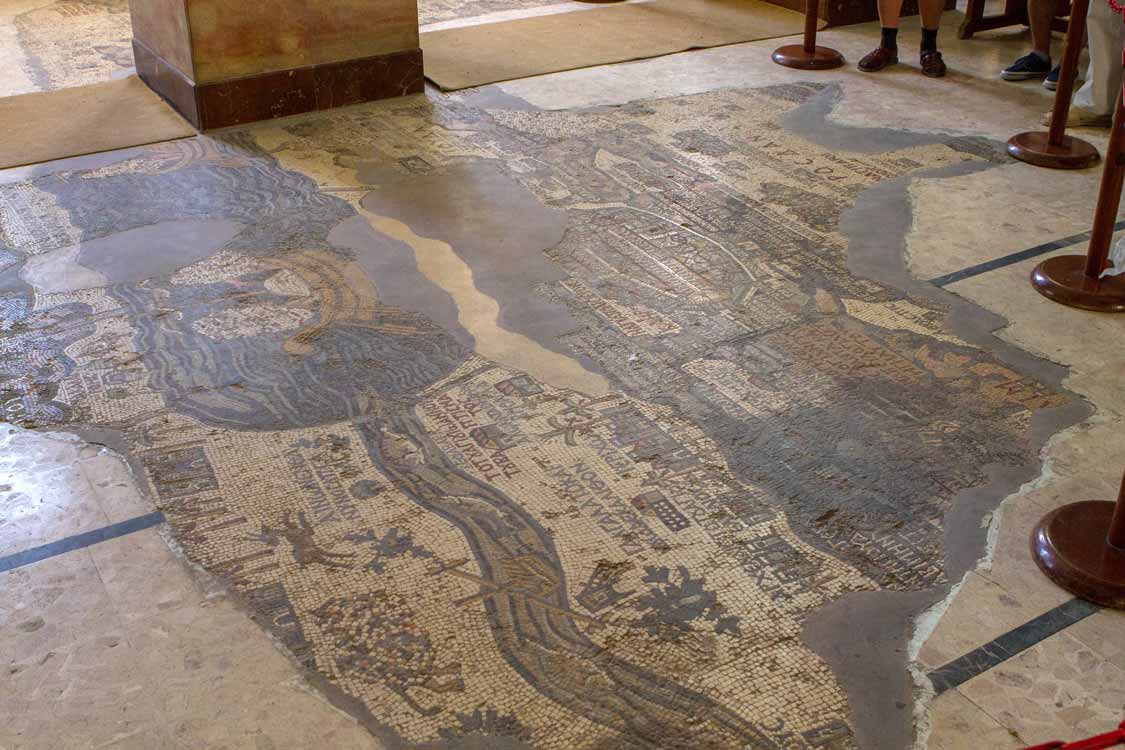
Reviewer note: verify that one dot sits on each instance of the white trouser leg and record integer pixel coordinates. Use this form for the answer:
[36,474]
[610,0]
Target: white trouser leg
[1106,33]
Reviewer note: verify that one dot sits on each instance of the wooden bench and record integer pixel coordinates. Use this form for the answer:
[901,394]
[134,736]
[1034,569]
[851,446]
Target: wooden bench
[1015,14]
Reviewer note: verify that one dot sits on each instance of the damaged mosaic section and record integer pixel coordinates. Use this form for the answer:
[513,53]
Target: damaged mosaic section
[562,459]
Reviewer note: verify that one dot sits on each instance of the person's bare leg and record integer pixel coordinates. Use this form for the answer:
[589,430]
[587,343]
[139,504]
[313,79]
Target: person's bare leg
[889,11]
[887,51]
[931,13]
[1040,15]
[1037,63]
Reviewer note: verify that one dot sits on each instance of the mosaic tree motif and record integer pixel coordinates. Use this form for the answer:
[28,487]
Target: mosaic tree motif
[676,600]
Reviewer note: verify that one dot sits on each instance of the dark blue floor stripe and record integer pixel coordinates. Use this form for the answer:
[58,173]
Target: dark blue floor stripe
[1007,260]
[986,657]
[78,541]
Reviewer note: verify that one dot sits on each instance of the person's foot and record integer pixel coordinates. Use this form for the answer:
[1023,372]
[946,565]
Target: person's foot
[1031,65]
[932,64]
[1079,117]
[1051,82]
[877,59]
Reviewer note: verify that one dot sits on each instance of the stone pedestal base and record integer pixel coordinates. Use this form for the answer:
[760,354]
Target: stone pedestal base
[283,92]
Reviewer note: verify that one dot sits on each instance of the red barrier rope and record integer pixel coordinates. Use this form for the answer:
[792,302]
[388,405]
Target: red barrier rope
[1109,739]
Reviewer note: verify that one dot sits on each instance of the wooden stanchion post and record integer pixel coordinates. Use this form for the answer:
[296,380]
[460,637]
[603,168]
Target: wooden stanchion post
[808,56]
[1055,149]
[1075,280]
[1081,547]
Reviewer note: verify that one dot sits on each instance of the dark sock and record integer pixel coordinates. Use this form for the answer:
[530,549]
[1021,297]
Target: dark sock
[1041,56]
[929,40]
[890,38]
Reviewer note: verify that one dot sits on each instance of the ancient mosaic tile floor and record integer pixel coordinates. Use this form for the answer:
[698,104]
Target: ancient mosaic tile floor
[64,43]
[520,429]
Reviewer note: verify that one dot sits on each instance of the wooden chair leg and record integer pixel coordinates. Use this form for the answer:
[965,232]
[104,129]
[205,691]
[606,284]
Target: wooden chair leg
[1015,14]
[1062,14]
[1015,11]
[974,12]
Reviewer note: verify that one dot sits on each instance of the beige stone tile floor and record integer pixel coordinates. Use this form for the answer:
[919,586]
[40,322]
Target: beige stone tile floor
[98,643]
[1062,687]
[1066,686]
[1054,690]
[122,645]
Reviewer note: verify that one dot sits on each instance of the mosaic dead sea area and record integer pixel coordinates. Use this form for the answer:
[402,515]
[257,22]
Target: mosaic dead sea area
[551,429]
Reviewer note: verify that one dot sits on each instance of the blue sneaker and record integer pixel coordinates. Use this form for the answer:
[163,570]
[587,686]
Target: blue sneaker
[1031,65]
[1051,82]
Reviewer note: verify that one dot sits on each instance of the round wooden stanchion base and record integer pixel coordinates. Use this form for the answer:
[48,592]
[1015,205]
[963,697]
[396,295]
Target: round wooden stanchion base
[796,56]
[1064,280]
[1033,148]
[1070,546]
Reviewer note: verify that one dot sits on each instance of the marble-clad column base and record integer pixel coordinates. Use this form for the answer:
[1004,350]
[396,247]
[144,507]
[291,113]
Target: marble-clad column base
[280,93]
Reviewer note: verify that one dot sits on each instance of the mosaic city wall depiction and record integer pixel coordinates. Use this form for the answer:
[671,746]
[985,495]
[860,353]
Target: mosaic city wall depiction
[530,429]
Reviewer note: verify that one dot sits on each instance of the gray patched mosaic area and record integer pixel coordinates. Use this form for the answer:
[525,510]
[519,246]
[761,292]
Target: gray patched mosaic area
[521,429]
